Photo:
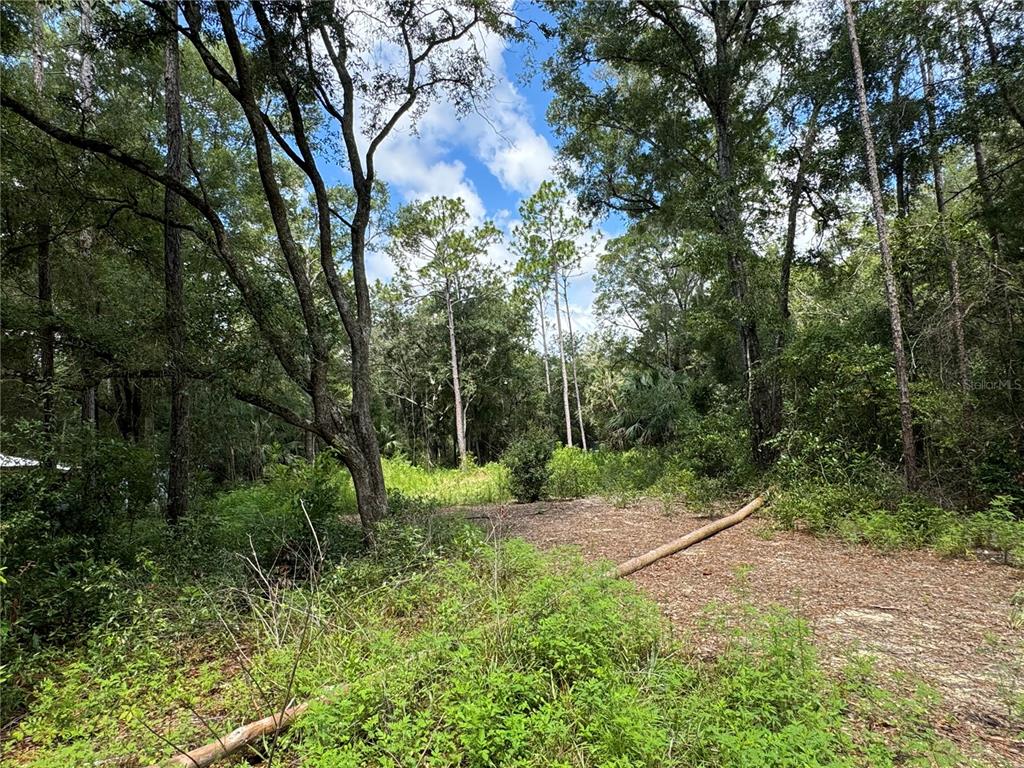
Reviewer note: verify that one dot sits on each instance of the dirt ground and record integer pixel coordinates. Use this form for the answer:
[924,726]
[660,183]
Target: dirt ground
[942,621]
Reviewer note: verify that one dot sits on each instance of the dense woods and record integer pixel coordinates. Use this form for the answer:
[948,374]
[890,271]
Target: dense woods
[234,356]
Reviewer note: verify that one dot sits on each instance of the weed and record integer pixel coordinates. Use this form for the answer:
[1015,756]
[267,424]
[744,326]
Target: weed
[471,484]
[459,653]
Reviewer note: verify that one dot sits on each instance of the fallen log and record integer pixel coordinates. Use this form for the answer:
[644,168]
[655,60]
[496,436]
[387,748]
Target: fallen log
[278,722]
[241,737]
[634,564]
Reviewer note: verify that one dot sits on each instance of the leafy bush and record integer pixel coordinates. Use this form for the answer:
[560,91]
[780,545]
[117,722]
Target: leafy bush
[69,537]
[631,473]
[650,408]
[573,474]
[998,529]
[627,475]
[526,460]
[272,520]
[678,480]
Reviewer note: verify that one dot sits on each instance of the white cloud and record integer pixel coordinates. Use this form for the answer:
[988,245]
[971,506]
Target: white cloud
[499,135]
[583,320]
[418,173]
[420,163]
[518,156]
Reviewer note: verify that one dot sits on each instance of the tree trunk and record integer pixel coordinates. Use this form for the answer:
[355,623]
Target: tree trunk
[639,562]
[371,494]
[764,416]
[86,83]
[367,475]
[89,405]
[460,421]
[46,336]
[561,358]
[544,339]
[575,378]
[128,408]
[174,284]
[895,321]
[309,446]
[44,283]
[940,207]
[993,58]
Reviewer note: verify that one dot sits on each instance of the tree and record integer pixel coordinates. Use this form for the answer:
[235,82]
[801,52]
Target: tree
[895,321]
[412,369]
[692,153]
[532,278]
[438,255]
[939,187]
[1001,72]
[44,283]
[547,239]
[648,290]
[174,285]
[574,348]
[313,64]
[85,95]
[977,118]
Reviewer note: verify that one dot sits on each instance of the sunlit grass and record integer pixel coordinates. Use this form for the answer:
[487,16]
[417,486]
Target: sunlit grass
[447,487]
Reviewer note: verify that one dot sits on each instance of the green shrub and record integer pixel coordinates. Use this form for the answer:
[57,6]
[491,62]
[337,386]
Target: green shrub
[572,474]
[997,528]
[274,520]
[818,507]
[526,460]
[69,538]
[678,481]
[628,474]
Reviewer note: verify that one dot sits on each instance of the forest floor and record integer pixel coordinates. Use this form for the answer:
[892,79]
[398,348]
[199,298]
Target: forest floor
[924,619]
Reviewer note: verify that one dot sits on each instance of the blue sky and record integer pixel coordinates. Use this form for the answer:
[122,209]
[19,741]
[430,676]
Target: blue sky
[492,160]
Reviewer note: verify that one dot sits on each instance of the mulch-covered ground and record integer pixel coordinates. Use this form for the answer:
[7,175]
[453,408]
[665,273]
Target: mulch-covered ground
[946,622]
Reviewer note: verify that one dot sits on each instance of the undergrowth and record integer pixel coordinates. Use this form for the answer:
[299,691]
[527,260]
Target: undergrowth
[447,487]
[625,476]
[895,520]
[452,652]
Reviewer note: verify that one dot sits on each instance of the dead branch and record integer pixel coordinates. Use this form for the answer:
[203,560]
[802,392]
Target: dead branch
[676,545]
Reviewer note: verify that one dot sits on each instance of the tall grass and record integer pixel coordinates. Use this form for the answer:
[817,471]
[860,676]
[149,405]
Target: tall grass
[265,517]
[447,487]
[627,475]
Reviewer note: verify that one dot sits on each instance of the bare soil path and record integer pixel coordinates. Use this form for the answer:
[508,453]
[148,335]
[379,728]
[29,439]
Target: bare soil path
[945,622]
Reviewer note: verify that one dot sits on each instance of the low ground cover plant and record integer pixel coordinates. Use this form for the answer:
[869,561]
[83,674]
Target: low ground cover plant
[457,652]
[266,594]
[892,521]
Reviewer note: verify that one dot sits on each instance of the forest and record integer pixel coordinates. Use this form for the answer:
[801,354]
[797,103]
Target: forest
[355,352]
